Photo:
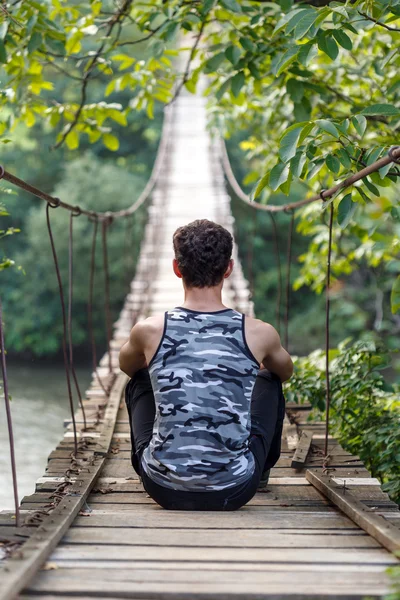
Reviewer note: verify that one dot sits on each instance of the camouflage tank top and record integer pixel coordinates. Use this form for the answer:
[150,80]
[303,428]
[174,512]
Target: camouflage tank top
[202,375]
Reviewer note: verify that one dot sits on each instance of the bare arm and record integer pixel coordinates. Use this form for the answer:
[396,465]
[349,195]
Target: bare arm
[277,360]
[131,356]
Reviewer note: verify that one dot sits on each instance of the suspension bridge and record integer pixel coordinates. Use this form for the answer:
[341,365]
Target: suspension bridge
[322,528]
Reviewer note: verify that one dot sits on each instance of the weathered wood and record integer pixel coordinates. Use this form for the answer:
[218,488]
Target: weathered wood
[301,453]
[133,583]
[375,525]
[19,569]
[86,539]
[247,518]
[114,543]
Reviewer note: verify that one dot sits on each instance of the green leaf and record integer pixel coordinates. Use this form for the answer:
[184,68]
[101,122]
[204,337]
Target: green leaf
[381,109]
[214,62]
[3,53]
[206,6]
[260,186]
[316,166]
[288,57]
[288,145]
[333,163]
[342,39]
[305,23]
[296,18]
[72,140]
[3,29]
[224,87]
[55,45]
[307,52]
[237,83]
[395,296]
[328,45]
[346,210]
[374,190]
[359,124]
[327,127]
[278,175]
[297,163]
[233,54]
[110,141]
[286,18]
[231,5]
[247,44]
[170,31]
[295,89]
[191,85]
[344,158]
[35,42]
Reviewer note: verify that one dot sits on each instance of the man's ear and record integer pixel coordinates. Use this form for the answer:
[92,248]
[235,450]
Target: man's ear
[229,269]
[176,268]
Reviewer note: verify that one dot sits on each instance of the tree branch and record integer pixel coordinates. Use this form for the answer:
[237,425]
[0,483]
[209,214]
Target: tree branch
[113,22]
[189,62]
[377,22]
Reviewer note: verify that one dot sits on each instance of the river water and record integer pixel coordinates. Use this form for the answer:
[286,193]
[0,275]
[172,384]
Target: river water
[39,406]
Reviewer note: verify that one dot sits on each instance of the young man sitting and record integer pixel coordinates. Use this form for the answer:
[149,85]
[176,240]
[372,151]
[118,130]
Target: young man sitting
[205,400]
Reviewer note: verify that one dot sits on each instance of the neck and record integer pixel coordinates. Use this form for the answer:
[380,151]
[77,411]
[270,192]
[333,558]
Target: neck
[203,299]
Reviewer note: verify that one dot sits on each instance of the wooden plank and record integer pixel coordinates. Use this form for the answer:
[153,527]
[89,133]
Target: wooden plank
[253,538]
[384,532]
[220,565]
[133,583]
[247,518]
[303,447]
[18,570]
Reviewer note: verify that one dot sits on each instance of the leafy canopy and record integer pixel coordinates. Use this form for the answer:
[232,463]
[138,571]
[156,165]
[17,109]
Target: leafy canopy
[314,83]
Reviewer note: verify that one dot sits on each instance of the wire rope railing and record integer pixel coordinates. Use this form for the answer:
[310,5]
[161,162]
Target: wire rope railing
[67,343]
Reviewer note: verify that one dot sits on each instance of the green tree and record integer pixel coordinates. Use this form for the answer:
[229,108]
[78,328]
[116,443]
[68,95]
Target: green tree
[95,185]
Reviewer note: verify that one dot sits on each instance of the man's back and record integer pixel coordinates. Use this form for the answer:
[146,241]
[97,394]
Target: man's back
[202,376]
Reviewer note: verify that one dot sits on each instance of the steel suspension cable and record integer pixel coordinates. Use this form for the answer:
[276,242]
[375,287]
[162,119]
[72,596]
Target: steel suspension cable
[105,225]
[288,266]
[278,264]
[70,297]
[90,305]
[327,324]
[393,155]
[9,419]
[64,320]
[250,255]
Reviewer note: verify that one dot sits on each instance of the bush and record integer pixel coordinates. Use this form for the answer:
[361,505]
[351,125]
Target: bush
[365,411]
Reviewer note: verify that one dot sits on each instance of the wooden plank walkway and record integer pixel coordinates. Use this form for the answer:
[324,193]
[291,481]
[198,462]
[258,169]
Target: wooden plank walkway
[290,541]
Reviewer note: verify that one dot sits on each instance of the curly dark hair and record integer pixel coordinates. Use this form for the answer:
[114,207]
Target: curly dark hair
[203,250]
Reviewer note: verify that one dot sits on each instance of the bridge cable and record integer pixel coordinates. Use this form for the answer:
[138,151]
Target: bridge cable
[327,323]
[157,166]
[250,255]
[70,297]
[64,319]
[393,155]
[9,419]
[279,268]
[105,224]
[288,266]
[90,305]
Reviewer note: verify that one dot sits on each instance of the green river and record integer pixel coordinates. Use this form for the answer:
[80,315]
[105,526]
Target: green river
[39,406]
